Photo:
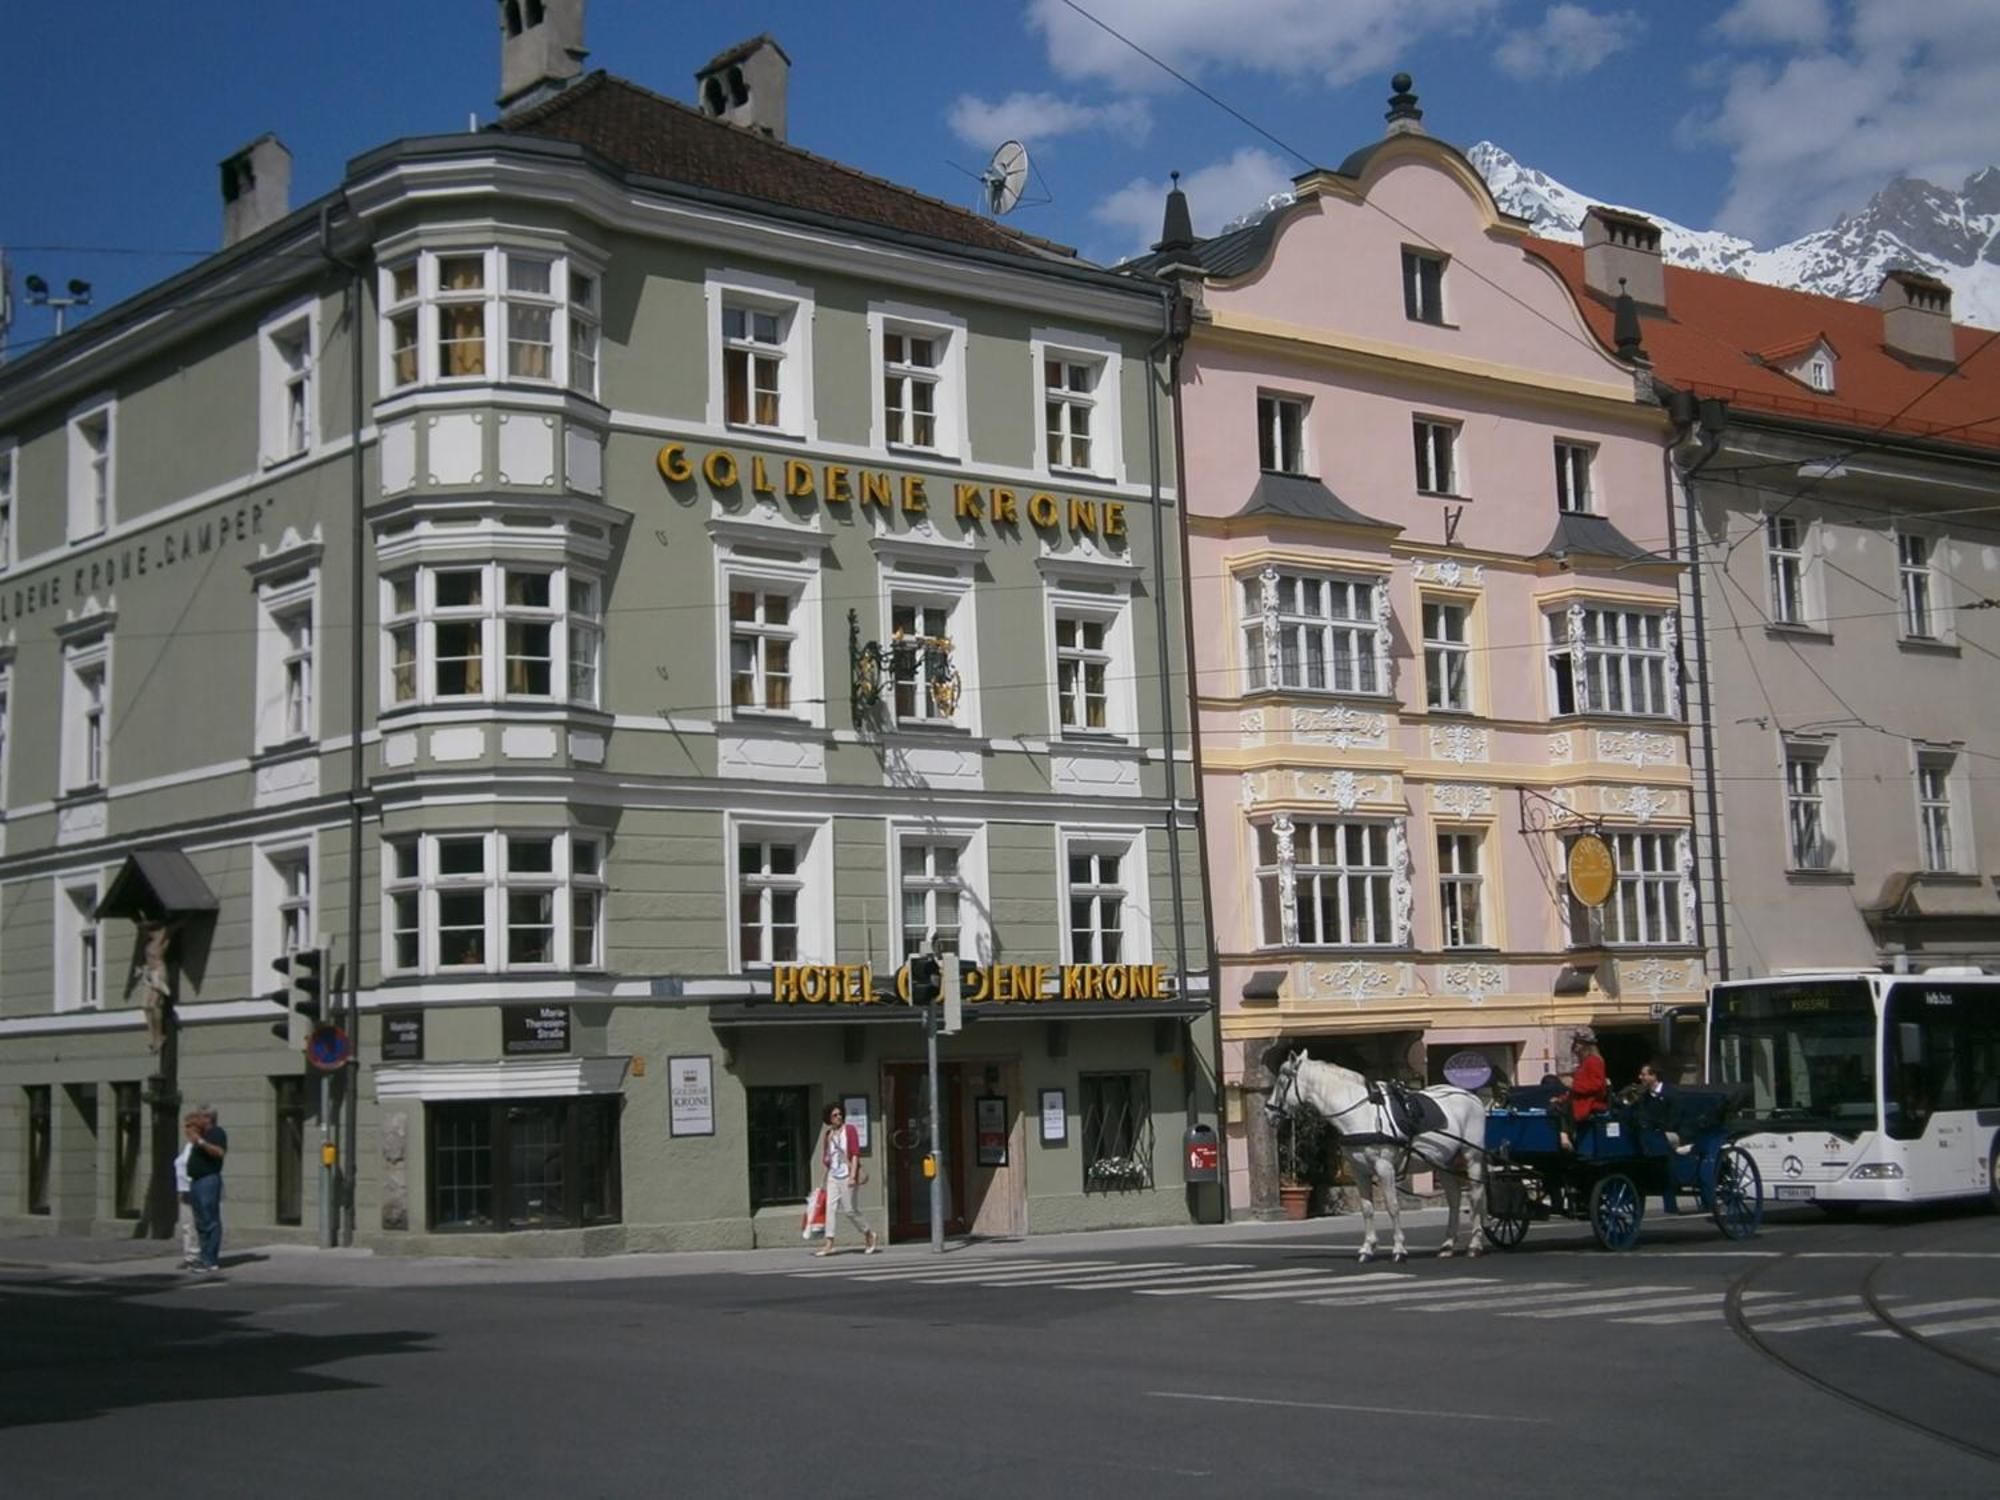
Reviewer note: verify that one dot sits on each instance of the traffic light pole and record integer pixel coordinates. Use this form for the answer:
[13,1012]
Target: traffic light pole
[937,1146]
[326,1193]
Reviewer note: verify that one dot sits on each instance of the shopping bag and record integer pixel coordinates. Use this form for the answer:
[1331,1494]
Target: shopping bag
[814,1223]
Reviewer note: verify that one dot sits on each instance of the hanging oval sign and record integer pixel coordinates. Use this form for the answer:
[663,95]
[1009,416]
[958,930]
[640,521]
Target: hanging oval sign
[1468,1069]
[1592,874]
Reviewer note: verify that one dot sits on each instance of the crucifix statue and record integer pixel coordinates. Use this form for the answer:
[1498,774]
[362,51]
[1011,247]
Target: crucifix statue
[154,976]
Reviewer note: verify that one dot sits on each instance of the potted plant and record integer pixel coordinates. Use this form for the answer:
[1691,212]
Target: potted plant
[1303,1138]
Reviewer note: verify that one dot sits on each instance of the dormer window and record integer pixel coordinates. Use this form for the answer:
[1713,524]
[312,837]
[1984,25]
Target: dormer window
[1809,361]
[1819,373]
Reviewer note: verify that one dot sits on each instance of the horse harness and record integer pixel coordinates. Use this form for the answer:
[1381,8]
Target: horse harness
[1407,1112]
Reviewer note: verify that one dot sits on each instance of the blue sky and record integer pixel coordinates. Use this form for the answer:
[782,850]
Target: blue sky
[1766,117]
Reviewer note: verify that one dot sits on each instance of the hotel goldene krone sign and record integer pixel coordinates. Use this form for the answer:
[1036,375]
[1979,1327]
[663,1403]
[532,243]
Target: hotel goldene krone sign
[854,984]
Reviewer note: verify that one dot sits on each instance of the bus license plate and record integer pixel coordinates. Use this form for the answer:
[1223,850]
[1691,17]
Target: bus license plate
[1794,1190]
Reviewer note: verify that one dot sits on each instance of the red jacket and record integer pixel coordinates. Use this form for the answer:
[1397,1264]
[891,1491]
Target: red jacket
[853,1135]
[1590,1088]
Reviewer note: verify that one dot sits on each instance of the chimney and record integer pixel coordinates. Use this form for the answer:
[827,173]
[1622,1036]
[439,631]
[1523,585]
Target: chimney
[746,86]
[1621,254]
[541,50]
[256,188]
[1916,317]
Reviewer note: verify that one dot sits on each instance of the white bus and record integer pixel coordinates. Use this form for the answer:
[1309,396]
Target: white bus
[1864,1087]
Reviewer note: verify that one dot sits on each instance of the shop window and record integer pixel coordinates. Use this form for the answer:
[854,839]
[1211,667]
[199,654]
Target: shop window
[41,1139]
[288,1147]
[128,1177]
[522,1164]
[1117,1132]
[781,1136]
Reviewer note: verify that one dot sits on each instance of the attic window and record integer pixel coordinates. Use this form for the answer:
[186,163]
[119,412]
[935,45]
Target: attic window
[1819,372]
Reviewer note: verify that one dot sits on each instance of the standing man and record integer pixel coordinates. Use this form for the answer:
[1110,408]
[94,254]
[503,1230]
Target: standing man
[209,1144]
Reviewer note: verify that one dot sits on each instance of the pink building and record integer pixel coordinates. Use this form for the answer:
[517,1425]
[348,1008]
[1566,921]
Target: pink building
[1435,636]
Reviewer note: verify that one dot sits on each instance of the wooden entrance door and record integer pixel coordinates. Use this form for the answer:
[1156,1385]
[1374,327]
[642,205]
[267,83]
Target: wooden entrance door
[909,1137]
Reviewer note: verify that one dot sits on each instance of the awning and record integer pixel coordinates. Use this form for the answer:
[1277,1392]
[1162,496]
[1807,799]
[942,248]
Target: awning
[766,1014]
[1913,895]
[156,885]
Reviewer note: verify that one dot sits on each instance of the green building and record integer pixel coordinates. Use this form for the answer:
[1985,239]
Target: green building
[747,573]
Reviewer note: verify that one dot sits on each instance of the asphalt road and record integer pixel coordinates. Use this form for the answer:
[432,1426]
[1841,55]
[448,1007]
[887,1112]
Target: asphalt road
[1820,1359]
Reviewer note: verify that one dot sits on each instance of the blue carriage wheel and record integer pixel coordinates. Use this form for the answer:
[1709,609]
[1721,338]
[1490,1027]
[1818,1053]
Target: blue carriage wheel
[1739,1194]
[1616,1210]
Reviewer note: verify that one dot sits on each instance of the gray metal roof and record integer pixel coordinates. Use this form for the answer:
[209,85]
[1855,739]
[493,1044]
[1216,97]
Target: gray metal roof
[1593,536]
[1302,499]
[154,885]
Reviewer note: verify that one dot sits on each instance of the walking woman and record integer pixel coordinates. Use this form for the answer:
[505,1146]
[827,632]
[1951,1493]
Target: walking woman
[840,1155]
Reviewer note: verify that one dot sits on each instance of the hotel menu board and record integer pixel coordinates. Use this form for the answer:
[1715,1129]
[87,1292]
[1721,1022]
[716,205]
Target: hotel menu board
[526,1030]
[690,1096]
[990,1111]
[1055,1118]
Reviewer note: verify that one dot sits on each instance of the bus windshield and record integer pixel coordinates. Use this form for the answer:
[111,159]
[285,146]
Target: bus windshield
[1803,1052]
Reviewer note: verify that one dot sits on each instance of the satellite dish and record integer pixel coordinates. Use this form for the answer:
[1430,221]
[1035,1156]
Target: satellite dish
[1004,178]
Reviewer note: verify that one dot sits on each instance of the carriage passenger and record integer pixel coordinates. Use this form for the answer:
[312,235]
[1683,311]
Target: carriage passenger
[1588,1090]
[1658,1106]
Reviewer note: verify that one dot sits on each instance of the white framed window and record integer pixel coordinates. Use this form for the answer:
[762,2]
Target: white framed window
[93,471]
[1447,656]
[1649,904]
[1089,622]
[1812,805]
[1317,632]
[1437,455]
[79,956]
[282,919]
[1606,660]
[1785,563]
[1281,434]
[770,634]
[519,314]
[1575,491]
[929,621]
[1104,899]
[1423,285]
[1461,891]
[287,664]
[86,714]
[514,901]
[1917,588]
[919,403]
[939,884]
[1939,844]
[1340,877]
[782,893]
[1076,378]
[460,632]
[922,686]
[287,356]
[1819,373]
[760,329]
[10,454]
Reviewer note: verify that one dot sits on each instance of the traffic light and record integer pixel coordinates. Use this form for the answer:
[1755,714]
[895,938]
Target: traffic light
[925,979]
[304,997]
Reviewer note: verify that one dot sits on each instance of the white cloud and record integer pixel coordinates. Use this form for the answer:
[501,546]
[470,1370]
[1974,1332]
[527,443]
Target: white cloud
[1815,134]
[1216,194]
[1040,117]
[1787,23]
[1335,40]
[1569,41]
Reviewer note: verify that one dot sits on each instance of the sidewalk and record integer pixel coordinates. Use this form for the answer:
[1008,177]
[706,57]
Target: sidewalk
[97,1259]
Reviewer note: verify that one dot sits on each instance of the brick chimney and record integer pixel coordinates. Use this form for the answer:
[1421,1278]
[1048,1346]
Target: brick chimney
[256,188]
[541,49]
[1916,317]
[746,86]
[1621,252]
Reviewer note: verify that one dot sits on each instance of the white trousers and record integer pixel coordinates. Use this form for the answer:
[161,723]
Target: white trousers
[184,1222]
[840,1200]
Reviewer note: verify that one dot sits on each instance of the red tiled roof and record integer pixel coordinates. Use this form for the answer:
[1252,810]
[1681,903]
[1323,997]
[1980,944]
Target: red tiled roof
[655,136]
[1710,338]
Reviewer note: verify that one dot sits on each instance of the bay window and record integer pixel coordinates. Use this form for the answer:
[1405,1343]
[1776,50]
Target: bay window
[516,315]
[480,631]
[1606,660]
[1652,901]
[1324,634]
[1331,884]
[492,902]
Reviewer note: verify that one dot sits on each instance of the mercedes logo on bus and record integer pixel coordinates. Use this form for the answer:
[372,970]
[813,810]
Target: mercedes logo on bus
[1794,1167]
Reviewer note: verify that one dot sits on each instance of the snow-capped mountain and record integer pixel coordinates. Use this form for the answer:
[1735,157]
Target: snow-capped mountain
[1953,235]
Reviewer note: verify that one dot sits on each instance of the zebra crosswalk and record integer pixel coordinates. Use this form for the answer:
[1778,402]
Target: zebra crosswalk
[1650,1303]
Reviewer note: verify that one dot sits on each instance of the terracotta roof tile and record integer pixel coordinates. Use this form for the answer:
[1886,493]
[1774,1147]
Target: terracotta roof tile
[654,136]
[1717,329]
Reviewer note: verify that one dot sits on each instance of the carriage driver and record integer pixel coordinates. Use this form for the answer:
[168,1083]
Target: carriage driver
[1588,1089]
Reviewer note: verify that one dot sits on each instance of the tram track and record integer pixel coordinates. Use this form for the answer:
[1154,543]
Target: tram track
[1870,1297]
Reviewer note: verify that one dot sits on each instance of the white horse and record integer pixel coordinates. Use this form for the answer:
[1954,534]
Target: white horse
[1374,1147]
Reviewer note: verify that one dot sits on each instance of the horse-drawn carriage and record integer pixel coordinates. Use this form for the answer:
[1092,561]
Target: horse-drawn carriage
[1620,1159]
[1511,1160]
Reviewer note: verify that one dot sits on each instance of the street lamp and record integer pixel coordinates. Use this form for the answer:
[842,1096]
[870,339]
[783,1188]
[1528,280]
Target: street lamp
[40,296]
